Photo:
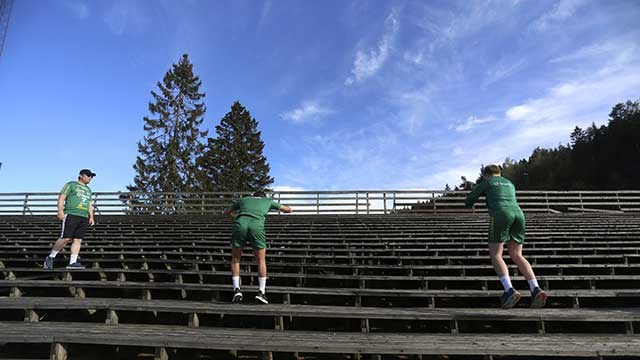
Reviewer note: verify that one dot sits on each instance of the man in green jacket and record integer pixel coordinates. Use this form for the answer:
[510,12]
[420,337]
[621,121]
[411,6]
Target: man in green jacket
[507,227]
[248,227]
[76,212]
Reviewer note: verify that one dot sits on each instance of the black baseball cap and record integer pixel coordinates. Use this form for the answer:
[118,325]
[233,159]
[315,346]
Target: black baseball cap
[87,172]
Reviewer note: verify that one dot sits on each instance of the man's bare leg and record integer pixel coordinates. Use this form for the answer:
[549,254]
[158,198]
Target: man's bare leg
[75,250]
[57,247]
[236,255]
[511,296]
[260,255]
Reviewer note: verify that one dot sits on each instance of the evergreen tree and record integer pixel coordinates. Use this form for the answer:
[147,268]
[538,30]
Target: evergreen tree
[233,161]
[173,139]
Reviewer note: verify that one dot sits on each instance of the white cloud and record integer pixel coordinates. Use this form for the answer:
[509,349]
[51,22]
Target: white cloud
[502,71]
[561,11]
[472,122]
[568,101]
[601,49]
[368,63]
[307,111]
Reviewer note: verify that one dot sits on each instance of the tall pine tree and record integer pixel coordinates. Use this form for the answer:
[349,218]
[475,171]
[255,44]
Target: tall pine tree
[173,139]
[233,161]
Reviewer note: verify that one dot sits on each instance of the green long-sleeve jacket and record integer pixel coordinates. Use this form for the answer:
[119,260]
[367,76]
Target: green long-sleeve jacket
[500,193]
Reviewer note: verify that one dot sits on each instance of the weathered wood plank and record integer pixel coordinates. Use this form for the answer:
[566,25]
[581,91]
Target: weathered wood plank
[315,342]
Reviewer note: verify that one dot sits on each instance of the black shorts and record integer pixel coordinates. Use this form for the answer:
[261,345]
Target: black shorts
[74,227]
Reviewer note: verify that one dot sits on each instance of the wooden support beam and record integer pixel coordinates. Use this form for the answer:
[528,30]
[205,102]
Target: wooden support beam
[454,327]
[101,274]
[183,292]
[161,354]
[364,325]
[58,352]
[112,317]
[31,316]
[279,321]
[194,321]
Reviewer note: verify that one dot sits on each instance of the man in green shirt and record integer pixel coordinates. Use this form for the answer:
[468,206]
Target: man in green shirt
[507,226]
[248,227]
[76,212]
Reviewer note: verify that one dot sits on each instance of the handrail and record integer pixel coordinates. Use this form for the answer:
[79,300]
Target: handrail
[324,202]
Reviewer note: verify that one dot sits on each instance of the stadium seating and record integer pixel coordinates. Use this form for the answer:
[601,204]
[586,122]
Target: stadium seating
[404,286]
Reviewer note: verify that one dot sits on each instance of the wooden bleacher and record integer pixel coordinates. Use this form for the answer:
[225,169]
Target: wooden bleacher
[341,287]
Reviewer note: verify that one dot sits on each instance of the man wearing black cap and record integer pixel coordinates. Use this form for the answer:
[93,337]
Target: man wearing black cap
[76,212]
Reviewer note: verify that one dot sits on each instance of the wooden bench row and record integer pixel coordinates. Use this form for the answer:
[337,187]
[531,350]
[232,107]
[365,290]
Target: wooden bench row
[371,319]
[328,280]
[481,269]
[309,295]
[319,342]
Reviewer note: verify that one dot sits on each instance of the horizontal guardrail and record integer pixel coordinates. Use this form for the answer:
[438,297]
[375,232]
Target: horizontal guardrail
[324,202]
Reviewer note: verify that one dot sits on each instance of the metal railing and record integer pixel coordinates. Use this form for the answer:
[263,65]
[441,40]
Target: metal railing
[324,202]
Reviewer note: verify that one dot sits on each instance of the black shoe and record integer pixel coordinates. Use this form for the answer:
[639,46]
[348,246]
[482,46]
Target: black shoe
[538,298]
[237,296]
[48,263]
[510,298]
[75,266]
[262,297]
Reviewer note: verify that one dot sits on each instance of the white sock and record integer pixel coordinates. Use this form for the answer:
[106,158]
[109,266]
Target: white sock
[533,283]
[53,253]
[236,282]
[73,259]
[506,282]
[262,283]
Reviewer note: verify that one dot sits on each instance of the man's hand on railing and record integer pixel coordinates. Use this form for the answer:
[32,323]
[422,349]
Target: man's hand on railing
[230,214]
[285,209]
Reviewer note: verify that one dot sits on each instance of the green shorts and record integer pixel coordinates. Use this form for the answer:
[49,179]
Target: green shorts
[247,229]
[507,224]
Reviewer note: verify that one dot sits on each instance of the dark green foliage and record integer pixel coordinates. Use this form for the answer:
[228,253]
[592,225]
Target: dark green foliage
[234,159]
[173,139]
[602,158]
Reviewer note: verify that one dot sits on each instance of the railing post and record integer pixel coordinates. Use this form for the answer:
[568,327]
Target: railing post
[318,203]
[394,202]
[581,204]
[95,204]
[546,197]
[279,202]
[433,198]
[357,201]
[384,202]
[25,205]
[367,194]
[618,201]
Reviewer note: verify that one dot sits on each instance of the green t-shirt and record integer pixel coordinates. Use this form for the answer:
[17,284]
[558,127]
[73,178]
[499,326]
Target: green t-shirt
[498,191]
[255,207]
[78,198]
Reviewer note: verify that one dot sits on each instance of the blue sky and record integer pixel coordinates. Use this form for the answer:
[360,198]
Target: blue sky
[349,94]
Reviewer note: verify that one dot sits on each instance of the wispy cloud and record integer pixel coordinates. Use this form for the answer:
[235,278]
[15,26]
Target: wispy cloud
[306,112]
[599,49]
[561,11]
[503,70]
[571,101]
[368,62]
[472,122]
